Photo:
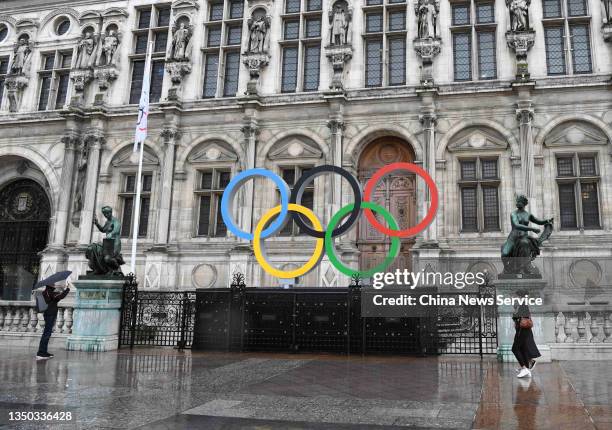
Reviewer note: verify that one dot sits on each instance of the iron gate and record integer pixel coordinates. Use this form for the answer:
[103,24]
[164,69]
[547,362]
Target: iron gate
[314,319]
[156,318]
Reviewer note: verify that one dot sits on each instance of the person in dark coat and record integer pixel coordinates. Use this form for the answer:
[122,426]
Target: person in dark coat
[52,298]
[523,347]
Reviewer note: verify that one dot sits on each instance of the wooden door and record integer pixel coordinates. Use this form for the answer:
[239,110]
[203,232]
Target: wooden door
[397,193]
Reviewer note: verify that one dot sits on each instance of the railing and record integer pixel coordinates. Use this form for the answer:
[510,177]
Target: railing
[580,326]
[21,317]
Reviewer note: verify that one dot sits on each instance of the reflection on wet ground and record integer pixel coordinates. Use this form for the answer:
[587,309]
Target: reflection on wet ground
[167,389]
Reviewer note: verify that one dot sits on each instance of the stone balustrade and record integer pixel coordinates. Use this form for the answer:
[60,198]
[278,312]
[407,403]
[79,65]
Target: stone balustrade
[583,327]
[21,317]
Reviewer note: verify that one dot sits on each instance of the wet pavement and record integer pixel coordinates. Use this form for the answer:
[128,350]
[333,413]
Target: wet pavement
[168,389]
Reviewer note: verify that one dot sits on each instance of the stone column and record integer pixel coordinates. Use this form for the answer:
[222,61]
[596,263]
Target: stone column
[524,115]
[71,140]
[170,136]
[428,120]
[250,131]
[94,139]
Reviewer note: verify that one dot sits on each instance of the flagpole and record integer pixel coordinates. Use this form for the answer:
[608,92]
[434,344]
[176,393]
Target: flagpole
[140,140]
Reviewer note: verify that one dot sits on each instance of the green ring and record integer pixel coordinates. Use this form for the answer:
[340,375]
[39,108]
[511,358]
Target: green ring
[329,242]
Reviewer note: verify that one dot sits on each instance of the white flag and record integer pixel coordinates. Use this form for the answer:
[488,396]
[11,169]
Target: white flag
[143,106]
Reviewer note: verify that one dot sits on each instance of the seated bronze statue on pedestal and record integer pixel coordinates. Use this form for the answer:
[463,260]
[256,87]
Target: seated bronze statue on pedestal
[105,258]
[520,249]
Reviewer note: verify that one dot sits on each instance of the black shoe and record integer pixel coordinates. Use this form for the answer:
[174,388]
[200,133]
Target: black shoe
[42,356]
[50,355]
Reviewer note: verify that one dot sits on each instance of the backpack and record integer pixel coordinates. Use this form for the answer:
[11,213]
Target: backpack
[40,302]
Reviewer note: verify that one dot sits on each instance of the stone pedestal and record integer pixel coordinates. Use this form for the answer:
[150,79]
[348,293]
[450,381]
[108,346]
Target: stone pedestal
[543,320]
[606,29]
[97,313]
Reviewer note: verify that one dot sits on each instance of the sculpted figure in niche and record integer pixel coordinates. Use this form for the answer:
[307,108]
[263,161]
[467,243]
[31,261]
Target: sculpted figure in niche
[258,30]
[85,51]
[21,56]
[179,50]
[339,24]
[519,14]
[110,43]
[427,13]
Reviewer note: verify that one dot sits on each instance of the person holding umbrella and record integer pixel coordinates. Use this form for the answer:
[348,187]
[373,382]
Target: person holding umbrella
[49,297]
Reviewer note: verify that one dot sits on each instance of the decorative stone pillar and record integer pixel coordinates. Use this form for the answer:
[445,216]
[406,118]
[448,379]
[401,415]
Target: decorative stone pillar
[257,53]
[524,115]
[428,120]
[71,140]
[250,130]
[94,140]
[170,136]
[521,42]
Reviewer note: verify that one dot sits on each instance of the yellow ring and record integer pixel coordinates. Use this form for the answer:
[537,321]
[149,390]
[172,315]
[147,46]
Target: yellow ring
[260,257]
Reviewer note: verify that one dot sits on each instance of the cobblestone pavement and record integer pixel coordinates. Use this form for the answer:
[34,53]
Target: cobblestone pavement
[168,389]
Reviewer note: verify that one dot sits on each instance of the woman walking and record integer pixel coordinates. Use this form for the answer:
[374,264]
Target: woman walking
[524,347]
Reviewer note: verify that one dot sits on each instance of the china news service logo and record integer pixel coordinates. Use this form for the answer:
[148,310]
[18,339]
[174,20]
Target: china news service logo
[291,207]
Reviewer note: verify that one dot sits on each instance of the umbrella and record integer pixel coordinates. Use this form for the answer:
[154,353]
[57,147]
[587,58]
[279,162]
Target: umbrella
[57,277]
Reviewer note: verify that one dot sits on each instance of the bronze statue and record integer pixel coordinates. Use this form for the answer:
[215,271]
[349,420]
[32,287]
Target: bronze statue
[105,258]
[520,249]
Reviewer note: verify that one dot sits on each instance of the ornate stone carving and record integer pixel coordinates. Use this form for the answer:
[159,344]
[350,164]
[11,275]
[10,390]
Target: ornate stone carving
[339,51]
[170,134]
[105,75]
[519,14]
[427,49]
[257,57]
[19,71]
[521,42]
[178,58]
[427,15]
[109,43]
[607,11]
[340,21]
[86,49]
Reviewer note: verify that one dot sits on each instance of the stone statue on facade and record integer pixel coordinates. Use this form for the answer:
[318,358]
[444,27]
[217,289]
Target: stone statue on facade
[607,5]
[22,56]
[110,42]
[427,14]
[86,51]
[105,258]
[180,46]
[520,249]
[519,14]
[258,31]
[339,22]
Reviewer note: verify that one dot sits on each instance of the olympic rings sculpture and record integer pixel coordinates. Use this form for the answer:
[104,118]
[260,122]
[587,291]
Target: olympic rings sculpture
[290,207]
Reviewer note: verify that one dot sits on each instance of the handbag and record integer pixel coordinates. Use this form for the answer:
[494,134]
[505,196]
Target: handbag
[526,322]
[41,303]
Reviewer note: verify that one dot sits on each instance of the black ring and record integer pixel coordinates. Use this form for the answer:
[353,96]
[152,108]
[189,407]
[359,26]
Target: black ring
[305,179]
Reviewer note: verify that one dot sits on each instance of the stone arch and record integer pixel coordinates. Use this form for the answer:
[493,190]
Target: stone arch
[358,143]
[314,137]
[510,138]
[181,159]
[42,164]
[58,12]
[106,166]
[551,125]
[448,136]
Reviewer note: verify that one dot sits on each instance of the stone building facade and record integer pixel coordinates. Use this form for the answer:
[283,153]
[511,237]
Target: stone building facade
[491,99]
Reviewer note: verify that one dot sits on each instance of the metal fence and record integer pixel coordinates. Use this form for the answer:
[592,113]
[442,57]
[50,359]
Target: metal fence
[156,318]
[329,320]
[299,320]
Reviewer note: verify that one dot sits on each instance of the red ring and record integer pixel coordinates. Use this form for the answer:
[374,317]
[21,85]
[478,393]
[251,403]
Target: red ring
[431,213]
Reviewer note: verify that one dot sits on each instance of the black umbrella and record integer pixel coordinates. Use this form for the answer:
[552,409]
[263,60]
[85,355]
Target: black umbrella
[51,280]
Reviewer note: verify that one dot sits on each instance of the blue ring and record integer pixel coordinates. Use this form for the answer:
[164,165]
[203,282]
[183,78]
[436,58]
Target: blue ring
[230,192]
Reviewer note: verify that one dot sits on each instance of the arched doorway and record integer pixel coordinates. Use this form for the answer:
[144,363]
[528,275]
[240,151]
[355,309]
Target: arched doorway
[24,228]
[396,193]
